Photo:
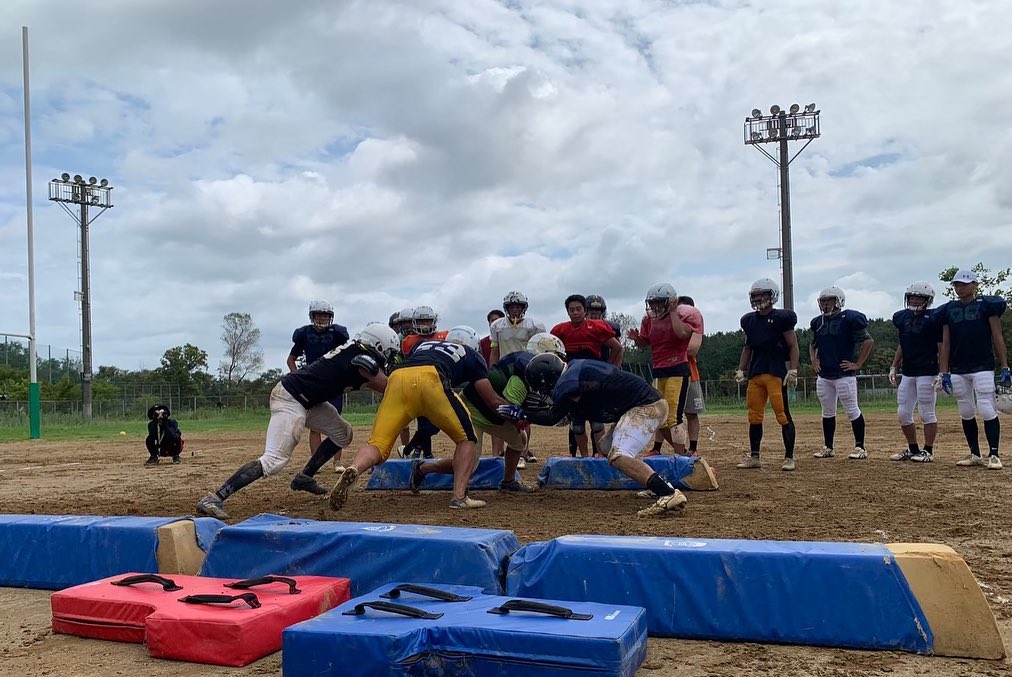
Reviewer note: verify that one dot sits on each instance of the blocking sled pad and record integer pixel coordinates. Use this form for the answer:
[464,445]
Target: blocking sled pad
[458,630]
[394,474]
[57,551]
[684,472]
[190,618]
[912,597]
[370,554]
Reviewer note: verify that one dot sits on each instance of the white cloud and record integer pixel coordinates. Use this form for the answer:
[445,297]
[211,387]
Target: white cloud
[382,155]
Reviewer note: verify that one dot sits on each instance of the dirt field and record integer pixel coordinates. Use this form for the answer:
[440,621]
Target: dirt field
[832,500]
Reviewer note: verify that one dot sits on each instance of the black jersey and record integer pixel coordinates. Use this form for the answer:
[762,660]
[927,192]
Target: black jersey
[456,364]
[315,344]
[920,334]
[970,348]
[596,391]
[335,373]
[836,339]
[764,335]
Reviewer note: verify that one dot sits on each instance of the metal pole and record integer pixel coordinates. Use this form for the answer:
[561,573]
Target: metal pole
[34,400]
[785,216]
[85,311]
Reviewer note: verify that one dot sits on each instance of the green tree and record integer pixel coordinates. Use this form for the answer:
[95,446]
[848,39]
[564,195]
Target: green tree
[242,347]
[186,366]
[990,284]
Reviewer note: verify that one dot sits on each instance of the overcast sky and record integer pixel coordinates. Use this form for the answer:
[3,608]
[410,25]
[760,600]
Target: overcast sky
[382,154]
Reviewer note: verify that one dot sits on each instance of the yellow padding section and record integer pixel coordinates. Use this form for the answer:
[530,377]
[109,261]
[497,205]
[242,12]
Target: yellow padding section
[959,616]
[178,552]
[702,478]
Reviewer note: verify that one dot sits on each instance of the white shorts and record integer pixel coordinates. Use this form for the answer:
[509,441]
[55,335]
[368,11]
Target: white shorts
[842,390]
[919,391]
[634,430]
[979,385]
[288,419]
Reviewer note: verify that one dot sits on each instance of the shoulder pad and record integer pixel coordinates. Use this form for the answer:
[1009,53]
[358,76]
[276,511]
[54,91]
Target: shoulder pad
[367,362]
[994,305]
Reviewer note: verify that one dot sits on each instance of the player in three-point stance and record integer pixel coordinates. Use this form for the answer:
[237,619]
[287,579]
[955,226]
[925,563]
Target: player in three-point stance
[836,334]
[302,400]
[916,358]
[769,360]
[971,336]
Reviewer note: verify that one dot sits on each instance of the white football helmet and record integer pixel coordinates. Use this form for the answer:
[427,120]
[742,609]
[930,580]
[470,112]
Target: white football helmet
[379,339]
[321,314]
[919,289]
[659,300]
[831,300]
[423,321]
[464,335]
[757,293]
[405,324]
[515,298]
[543,342]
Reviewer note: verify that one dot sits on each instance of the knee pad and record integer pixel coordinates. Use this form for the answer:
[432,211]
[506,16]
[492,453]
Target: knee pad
[782,419]
[985,405]
[906,417]
[679,434]
[596,427]
[966,408]
[578,427]
[344,435]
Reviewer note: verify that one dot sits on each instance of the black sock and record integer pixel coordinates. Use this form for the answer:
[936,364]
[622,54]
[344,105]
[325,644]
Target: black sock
[693,445]
[426,445]
[858,425]
[326,451]
[992,431]
[970,433]
[789,433]
[659,485]
[928,449]
[755,437]
[828,430]
[572,443]
[657,446]
[247,474]
[913,448]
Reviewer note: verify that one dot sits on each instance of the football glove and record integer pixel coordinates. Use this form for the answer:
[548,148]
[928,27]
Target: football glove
[739,376]
[791,380]
[1006,378]
[512,412]
[947,383]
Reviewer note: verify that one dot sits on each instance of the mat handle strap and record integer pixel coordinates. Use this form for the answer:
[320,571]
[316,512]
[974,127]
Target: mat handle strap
[391,607]
[168,585]
[264,580]
[248,597]
[539,608]
[424,591]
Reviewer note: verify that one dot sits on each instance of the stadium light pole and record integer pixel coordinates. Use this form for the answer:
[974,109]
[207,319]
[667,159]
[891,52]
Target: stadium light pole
[90,193]
[781,127]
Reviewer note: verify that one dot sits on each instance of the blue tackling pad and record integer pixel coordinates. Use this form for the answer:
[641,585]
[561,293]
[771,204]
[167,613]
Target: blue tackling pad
[394,474]
[369,553]
[465,639]
[58,551]
[828,594]
[563,472]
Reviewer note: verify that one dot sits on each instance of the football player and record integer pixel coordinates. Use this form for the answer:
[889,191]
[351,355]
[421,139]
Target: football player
[971,335]
[423,328]
[423,387]
[916,357]
[498,448]
[769,360]
[507,377]
[301,400]
[836,335]
[667,328]
[598,391]
[694,403]
[313,341]
[584,338]
[511,333]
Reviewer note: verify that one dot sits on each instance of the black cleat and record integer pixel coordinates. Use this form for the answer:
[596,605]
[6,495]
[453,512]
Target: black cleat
[306,483]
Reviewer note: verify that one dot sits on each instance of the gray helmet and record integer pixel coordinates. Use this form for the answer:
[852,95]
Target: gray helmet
[662,292]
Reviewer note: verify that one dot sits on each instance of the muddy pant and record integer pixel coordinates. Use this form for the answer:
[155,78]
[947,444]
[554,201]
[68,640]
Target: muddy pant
[634,430]
[288,419]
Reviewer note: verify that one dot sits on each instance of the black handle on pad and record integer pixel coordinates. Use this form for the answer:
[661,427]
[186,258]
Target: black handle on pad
[424,591]
[263,580]
[168,585]
[248,597]
[539,608]
[391,607]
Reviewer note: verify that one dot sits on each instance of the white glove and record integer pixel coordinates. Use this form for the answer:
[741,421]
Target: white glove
[892,376]
[791,380]
[739,376]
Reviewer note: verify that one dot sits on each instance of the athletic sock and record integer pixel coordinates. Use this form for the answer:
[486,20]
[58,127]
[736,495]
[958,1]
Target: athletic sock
[693,445]
[657,447]
[755,438]
[992,431]
[970,431]
[858,425]
[913,448]
[245,475]
[659,485]
[326,451]
[789,433]
[828,430]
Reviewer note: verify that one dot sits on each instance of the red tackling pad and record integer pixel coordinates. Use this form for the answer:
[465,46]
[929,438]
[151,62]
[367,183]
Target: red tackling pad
[223,621]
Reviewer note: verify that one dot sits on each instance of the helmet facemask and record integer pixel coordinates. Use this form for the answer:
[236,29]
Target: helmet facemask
[916,303]
[829,305]
[658,307]
[321,320]
[761,299]
[515,312]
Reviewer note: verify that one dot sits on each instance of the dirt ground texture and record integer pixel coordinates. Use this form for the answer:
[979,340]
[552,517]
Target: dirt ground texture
[875,500]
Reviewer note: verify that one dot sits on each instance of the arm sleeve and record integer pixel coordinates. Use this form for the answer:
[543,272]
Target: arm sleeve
[547,417]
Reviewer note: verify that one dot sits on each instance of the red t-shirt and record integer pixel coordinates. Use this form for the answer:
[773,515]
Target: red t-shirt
[412,340]
[584,342]
[486,349]
[667,350]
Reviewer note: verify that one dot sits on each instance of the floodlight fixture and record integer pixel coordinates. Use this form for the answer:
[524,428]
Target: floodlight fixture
[756,136]
[810,108]
[78,178]
[756,113]
[795,108]
[65,176]
[796,131]
[92,180]
[103,183]
[774,110]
